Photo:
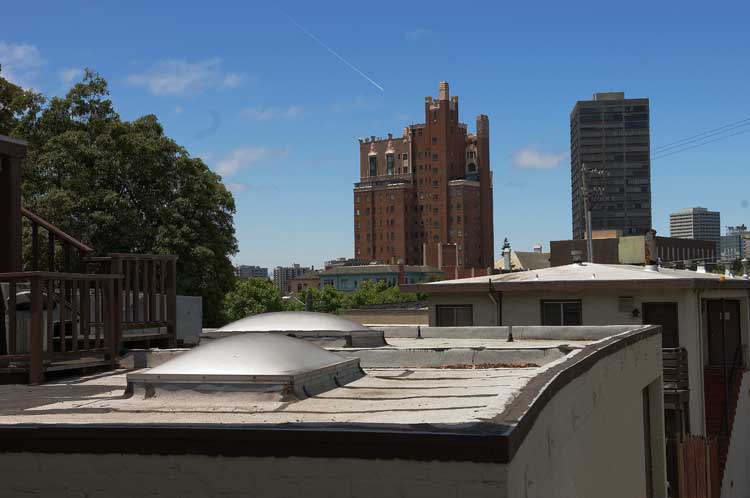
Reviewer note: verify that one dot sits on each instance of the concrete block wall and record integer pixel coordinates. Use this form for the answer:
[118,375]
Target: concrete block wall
[188,476]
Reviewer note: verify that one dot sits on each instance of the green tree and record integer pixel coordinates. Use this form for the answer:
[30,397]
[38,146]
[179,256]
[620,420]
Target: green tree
[250,297]
[124,186]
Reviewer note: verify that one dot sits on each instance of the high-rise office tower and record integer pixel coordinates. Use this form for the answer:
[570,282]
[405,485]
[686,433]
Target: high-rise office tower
[609,139]
[426,197]
[696,223]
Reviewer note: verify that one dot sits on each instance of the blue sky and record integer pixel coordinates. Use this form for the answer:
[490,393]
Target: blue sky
[279,116]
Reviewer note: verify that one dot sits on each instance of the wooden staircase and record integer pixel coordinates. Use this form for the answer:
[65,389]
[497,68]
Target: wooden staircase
[714,388]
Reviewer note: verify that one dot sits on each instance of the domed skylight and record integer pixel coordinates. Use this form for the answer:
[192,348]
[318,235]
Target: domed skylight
[293,321]
[254,362]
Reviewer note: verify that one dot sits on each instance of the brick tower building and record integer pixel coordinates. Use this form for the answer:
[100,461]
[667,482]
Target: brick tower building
[425,198]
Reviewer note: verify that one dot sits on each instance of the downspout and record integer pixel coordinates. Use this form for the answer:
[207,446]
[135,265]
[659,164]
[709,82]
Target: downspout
[497,299]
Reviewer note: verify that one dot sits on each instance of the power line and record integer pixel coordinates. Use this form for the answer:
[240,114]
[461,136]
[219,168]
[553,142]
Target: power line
[705,134]
[659,156]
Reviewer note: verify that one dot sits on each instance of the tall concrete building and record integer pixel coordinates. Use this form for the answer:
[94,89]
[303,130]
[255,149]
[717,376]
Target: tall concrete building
[696,223]
[283,274]
[735,245]
[609,137]
[425,198]
[251,271]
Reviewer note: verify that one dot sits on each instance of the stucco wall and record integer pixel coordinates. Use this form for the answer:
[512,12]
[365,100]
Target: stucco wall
[589,440]
[736,483]
[95,476]
[600,307]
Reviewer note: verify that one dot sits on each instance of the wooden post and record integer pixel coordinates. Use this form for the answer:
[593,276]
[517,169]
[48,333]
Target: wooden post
[36,372]
[12,154]
[34,247]
[172,302]
[110,314]
[116,268]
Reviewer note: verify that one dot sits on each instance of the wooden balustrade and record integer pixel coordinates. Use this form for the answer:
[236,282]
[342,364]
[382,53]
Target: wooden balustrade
[44,248]
[58,320]
[675,365]
[148,293]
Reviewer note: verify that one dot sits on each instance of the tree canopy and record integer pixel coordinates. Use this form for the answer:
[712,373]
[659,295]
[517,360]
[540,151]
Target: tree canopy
[123,186]
[259,295]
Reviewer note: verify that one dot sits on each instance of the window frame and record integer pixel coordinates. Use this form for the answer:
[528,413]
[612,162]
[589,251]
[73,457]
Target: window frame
[454,308]
[561,303]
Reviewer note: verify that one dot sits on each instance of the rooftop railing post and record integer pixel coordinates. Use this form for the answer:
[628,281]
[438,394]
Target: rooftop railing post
[172,301]
[36,372]
[117,311]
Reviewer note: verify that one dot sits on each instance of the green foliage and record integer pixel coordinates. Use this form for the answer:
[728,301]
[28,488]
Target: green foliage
[330,300]
[250,297]
[123,186]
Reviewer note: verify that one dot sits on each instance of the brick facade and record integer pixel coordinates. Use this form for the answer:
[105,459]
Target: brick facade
[427,190]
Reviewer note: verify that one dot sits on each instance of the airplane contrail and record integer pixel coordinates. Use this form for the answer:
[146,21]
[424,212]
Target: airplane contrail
[332,51]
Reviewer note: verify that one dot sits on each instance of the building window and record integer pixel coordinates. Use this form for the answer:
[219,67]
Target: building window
[561,313]
[373,165]
[389,164]
[454,315]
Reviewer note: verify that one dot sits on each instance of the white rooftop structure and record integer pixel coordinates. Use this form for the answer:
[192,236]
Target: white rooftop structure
[293,321]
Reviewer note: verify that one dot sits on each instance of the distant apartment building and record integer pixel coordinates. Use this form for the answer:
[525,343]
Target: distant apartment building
[609,138]
[283,274]
[348,278]
[735,244]
[308,280]
[696,223]
[425,190]
[249,271]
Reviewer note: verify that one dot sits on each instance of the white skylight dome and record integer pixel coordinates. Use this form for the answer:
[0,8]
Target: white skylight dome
[324,329]
[293,321]
[251,362]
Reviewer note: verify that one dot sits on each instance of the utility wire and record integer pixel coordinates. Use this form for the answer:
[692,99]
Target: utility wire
[705,134]
[659,156]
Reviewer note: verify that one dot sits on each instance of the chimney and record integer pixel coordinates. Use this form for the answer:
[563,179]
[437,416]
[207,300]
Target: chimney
[443,93]
[506,259]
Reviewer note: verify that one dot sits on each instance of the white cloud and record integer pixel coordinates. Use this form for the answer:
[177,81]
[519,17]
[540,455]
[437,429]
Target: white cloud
[236,187]
[232,80]
[239,159]
[531,158]
[267,113]
[180,77]
[70,74]
[20,63]
[418,34]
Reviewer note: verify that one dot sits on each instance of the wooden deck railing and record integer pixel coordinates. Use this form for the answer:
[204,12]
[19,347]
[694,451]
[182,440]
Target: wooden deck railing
[148,293]
[675,365]
[57,320]
[44,247]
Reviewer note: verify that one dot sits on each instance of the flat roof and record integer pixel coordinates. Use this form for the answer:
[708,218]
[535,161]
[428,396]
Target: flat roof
[454,412]
[584,275]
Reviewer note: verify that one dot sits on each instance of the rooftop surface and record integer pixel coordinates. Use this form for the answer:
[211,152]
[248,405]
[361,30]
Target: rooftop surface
[475,387]
[591,273]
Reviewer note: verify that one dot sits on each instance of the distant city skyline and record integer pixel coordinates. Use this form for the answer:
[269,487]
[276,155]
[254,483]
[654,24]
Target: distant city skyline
[278,115]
